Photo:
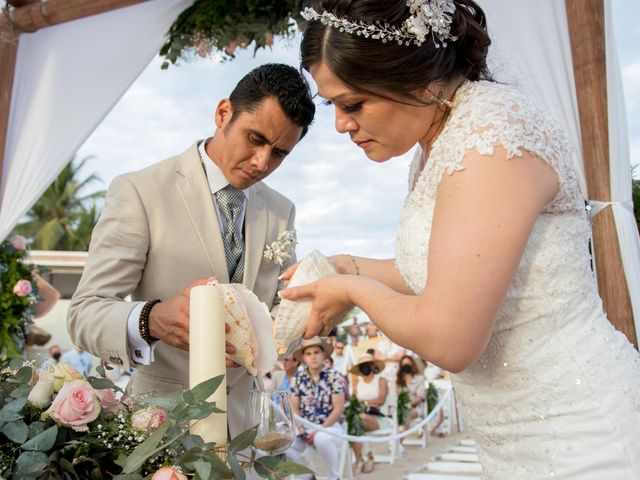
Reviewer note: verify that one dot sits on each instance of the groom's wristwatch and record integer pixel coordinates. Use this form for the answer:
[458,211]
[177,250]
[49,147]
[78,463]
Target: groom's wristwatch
[143,322]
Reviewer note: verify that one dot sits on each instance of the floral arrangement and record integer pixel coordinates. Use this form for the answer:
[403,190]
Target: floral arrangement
[403,406]
[282,249]
[225,25]
[17,297]
[56,423]
[355,425]
[431,397]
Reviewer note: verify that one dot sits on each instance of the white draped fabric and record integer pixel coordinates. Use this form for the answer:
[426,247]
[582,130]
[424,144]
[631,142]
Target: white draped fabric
[67,79]
[531,47]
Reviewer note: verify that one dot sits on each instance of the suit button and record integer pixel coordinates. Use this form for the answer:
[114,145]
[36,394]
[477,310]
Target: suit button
[138,354]
[112,359]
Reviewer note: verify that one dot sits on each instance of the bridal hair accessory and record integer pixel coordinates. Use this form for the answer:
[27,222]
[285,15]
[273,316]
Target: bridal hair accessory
[427,16]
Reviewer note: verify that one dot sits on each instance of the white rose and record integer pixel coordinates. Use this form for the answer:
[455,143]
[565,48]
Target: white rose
[40,395]
[63,373]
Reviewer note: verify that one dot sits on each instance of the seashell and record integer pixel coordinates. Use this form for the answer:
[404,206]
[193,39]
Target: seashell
[241,333]
[262,323]
[292,316]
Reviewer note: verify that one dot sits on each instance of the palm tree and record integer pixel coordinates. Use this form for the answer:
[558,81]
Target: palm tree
[61,219]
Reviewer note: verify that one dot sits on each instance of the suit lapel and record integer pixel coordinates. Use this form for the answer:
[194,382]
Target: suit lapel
[255,227]
[193,188]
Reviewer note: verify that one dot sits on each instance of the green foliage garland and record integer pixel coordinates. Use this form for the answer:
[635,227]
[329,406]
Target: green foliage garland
[226,24]
[355,425]
[432,397]
[15,310]
[403,406]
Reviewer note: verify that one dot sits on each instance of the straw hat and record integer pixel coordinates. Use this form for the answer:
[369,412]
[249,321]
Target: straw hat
[366,358]
[312,342]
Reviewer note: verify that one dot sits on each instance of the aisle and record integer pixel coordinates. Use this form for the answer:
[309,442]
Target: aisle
[415,458]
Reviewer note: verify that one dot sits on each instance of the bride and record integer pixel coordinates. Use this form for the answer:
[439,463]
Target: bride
[492,278]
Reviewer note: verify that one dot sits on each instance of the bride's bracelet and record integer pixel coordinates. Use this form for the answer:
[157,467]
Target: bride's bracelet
[352,261]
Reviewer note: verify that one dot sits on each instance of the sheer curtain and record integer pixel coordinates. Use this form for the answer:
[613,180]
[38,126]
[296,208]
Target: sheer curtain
[67,79]
[532,48]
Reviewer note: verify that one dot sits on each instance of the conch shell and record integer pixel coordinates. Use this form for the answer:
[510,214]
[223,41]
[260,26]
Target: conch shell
[250,329]
[292,315]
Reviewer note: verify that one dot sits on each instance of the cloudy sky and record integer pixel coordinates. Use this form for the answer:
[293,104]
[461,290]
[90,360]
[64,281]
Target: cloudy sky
[345,203]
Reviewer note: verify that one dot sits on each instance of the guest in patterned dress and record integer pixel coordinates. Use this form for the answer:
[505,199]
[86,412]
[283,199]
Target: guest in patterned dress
[318,395]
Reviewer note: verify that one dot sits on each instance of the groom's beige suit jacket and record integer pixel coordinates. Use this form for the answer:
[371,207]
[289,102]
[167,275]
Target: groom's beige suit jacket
[158,232]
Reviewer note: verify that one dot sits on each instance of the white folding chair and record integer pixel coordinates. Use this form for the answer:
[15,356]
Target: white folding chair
[395,449]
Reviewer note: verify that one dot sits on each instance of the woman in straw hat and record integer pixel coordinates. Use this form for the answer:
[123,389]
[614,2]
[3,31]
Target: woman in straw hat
[317,395]
[371,388]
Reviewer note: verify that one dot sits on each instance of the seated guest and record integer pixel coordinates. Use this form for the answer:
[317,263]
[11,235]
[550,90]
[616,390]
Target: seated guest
[317,396]
[283,379]
[371,389]
[409,379]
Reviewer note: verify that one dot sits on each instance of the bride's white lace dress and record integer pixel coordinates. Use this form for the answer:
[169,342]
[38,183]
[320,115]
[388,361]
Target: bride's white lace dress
[556,394]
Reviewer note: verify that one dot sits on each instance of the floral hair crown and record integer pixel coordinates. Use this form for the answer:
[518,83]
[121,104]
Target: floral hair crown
[427,16]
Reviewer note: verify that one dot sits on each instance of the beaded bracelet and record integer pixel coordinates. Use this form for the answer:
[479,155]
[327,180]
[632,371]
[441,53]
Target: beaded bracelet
[143,322]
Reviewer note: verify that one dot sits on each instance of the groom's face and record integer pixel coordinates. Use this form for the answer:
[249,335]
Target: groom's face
[251,145]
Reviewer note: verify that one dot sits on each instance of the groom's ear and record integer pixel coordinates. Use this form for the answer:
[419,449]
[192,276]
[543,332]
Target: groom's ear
[224,113]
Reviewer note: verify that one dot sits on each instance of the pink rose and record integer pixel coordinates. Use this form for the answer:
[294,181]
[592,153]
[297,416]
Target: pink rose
[108,400]
[168,473]
[22,288]
[18,242]
[75,405]
[148,419]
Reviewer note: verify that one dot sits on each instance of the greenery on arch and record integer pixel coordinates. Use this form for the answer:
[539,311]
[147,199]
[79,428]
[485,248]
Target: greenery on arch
[225,25]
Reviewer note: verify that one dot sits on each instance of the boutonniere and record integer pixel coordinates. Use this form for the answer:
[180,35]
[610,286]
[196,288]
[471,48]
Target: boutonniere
[282,248]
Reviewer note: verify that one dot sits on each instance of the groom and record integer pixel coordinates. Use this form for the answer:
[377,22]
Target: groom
[168,227]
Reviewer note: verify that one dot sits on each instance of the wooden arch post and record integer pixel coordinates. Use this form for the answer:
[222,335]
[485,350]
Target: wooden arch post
[587,34]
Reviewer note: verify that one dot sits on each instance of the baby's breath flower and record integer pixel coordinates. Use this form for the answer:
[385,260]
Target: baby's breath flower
[282,248]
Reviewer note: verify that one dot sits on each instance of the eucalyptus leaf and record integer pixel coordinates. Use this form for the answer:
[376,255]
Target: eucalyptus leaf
[35,428]
[188,397]
[24,375]
[203,469]
[29,463]
[204,390]
[101,383]
[286,468]
[235,467]
[43,441]
[101,372]
[264,472]
[192,441]
[143,451]
[16,431]
[16,405]
[199,410]
[129,476]
[9,415]
[244,440]
[21,391]
[218,466]
[15,363]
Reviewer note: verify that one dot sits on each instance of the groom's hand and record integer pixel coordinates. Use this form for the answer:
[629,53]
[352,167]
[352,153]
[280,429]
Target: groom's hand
[169,320]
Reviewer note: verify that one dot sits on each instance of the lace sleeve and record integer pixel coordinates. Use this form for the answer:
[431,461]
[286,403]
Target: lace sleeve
[488,114]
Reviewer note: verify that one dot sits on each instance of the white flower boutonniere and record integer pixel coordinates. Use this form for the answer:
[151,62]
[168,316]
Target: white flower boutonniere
[282,248]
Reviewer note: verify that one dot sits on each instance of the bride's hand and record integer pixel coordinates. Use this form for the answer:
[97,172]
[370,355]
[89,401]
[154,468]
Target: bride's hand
[330,302]
[288,273]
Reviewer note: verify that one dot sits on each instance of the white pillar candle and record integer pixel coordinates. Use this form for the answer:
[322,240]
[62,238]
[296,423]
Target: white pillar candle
[207,357]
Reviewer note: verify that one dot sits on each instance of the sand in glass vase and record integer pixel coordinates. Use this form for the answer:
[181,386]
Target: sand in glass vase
[271,411]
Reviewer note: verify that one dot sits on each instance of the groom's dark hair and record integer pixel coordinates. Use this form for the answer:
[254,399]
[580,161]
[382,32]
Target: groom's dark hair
[279,81]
